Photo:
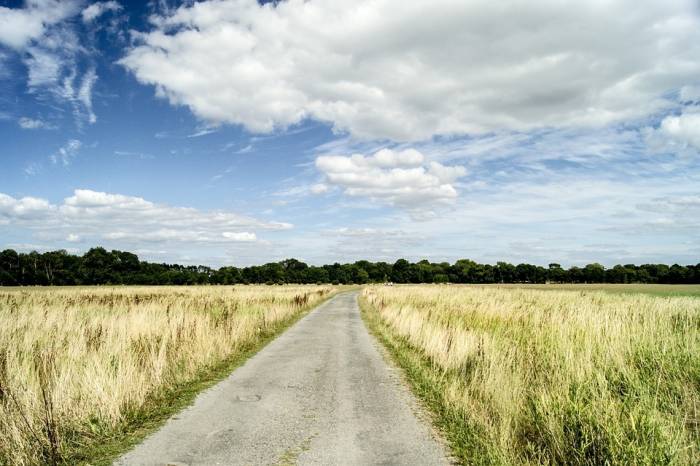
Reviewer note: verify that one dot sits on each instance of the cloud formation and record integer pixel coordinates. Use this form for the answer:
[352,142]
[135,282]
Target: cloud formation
[20,26]
[94,11]
[49,45]
[26,208]
[399,178]
[683,129]
[95,216]
[31,123]
[66,153]
[394,70]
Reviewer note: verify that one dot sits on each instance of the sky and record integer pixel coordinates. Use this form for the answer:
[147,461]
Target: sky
[236,132]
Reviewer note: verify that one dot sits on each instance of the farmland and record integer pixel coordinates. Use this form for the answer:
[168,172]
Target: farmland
[532,375]
[84,370]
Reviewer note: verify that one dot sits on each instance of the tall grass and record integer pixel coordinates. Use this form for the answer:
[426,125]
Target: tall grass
[79,365]
[527,376]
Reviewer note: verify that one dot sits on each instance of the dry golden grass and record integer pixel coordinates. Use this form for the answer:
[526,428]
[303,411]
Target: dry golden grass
[78,364]
[531,376]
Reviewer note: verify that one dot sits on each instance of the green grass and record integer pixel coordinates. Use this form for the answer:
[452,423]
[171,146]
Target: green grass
[652,289]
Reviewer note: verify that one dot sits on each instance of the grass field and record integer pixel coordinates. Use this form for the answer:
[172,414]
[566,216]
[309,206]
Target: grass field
[653,289]
[550,375]
[86,371]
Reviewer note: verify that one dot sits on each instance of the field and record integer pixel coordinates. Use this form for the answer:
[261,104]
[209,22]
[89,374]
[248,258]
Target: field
[653,289]
[84,370]
[550,375]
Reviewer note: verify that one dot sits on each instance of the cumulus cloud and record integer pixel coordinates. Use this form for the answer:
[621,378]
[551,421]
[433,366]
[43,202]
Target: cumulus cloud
[26,208]
[19,26]
[97,216]
[94,11]
[400,178]
[676,134]
[684,128]
[399,70]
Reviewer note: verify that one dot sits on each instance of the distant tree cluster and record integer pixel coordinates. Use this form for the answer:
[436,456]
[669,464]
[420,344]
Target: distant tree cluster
[101,267]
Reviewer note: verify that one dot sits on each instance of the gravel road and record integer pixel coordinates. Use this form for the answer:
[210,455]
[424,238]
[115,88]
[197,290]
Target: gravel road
[321,393]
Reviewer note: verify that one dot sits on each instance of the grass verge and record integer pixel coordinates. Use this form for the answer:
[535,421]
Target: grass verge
[428,387]
[106,447]
[548,377]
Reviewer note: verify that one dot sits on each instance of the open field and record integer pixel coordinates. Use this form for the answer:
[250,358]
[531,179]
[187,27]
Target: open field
[83,368]
[521,375]
[653,289]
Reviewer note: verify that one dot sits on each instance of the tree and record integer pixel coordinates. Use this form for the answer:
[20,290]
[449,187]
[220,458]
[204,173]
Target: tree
[400,271]
[594,273]
[504,272]
[98,266]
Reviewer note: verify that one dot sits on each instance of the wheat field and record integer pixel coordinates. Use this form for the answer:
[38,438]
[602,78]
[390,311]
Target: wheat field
[517,375]
[79,366]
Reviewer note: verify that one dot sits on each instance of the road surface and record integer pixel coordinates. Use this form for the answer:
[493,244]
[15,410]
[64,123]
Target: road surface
[320,394]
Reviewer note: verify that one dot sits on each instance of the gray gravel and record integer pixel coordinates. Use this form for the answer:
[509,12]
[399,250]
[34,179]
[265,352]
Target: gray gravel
[321,393]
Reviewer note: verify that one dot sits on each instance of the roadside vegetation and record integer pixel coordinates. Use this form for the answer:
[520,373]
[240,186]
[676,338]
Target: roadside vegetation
[518,375]
[84,372]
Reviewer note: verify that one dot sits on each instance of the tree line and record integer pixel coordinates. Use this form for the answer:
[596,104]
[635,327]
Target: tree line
[101,267]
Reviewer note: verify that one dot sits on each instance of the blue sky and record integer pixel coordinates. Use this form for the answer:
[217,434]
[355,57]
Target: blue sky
[230,132]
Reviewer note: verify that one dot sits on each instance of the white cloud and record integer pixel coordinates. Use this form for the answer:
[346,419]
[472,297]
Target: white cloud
[202,132]
[33,168]
[73,238]
[44,68]
[137,213]
[84,95]
[94,11]
[391,69]
[684,129]
[94,216]
[318,188]
[49,45]
[30,123]
[243,236]
[67,153]
[678,134]
[26,208]
[19,26]
[400,178]
[169,234]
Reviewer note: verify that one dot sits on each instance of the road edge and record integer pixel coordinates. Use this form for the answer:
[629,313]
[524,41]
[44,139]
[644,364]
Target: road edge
[420,405]
[170,403]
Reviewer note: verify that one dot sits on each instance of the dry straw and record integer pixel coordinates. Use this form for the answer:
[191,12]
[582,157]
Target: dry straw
[526,376]
[76,364]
